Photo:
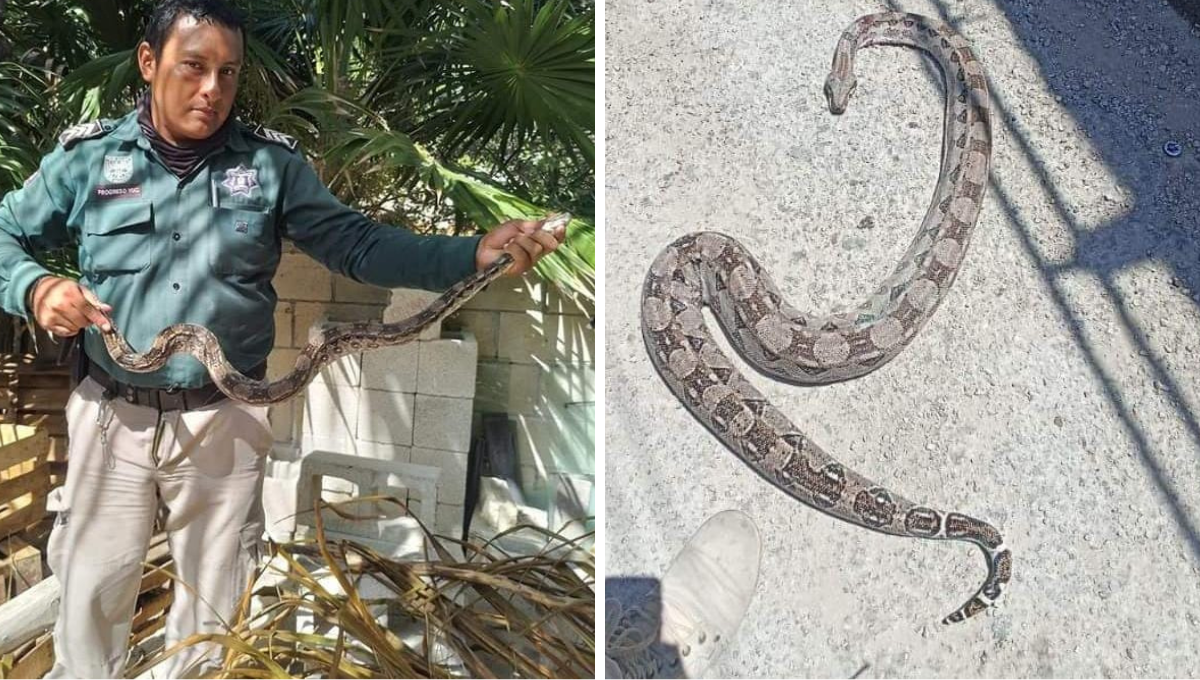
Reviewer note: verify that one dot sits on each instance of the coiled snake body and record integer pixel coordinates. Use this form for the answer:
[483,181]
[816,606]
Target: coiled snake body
[326,347]
[714,270]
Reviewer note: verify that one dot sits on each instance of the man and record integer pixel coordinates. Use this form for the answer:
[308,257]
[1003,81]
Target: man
[179,210]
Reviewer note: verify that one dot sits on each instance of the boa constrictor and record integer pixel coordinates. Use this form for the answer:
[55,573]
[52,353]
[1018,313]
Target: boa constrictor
[324,348]
[714,270]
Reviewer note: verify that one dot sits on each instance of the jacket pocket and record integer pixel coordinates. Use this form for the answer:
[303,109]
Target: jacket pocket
[117,237]
[242,243]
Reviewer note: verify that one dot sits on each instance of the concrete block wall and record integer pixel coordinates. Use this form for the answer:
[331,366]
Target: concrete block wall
[409,406]
[537,358]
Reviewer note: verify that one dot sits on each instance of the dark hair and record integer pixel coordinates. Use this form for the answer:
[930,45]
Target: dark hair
[166,13]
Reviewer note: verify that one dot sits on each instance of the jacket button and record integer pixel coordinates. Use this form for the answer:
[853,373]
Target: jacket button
[176,236]
[175,286]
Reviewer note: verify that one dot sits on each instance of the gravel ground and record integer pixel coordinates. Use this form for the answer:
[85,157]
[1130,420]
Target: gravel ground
[1054,393]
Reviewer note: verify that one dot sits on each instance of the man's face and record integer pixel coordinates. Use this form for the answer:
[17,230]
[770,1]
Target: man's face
[194,81]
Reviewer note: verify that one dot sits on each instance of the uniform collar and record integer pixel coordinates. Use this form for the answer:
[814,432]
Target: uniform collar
[128,130]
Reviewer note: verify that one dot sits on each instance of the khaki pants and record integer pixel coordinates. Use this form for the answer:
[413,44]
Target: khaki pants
[206,466]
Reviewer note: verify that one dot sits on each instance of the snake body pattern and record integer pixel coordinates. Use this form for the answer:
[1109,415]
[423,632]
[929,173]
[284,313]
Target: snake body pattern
[714,270]
[326,347]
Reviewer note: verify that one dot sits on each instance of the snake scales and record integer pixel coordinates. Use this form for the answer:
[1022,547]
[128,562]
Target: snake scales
[714,270]
[326,347]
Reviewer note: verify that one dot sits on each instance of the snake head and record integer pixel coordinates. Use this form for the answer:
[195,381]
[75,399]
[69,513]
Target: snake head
[838,90]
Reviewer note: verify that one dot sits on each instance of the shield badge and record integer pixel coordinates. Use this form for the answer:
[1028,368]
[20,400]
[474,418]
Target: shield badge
[241,181]
[118,169]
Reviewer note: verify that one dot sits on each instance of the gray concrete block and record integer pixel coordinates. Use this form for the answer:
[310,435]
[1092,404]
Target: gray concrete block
[393,369]
[346,371]
[446,367]
[512,294]
[285,312]
[386,417]
[449,519]
[452,484]
[349,290]
[442,423]
[330,411]
[503,387]
[406,302]
[300,277]
[483,324]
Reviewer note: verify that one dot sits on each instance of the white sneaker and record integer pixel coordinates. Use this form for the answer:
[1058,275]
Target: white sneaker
[702,600]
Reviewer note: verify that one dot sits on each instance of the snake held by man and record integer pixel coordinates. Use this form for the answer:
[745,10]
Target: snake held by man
[326,347]
[714,270]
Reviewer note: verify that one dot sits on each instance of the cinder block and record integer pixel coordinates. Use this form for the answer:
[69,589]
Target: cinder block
[563,442]
[564,384]
[558,302]
[511,294]
[571,500]
[446,367]
[345,371]
[443,423]
[522,338]
[572,340]
[284,313]
[452,486]
[484,325]
[349,290]
[280,362]
[279,507]
[379,451]
[386,417]
[331,412]
[406,302]
[393,369]
[300,277]
[533,337]
[370,477]
[449,519]
[309,314]
[282,420]
[507,388]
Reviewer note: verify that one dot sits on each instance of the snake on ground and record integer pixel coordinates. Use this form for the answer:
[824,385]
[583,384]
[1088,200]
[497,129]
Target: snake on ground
[714,270]
[324,348]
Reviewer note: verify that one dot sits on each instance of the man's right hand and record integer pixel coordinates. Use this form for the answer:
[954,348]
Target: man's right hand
[64,307]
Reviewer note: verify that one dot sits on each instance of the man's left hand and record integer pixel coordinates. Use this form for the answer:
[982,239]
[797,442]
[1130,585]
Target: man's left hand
[524,240]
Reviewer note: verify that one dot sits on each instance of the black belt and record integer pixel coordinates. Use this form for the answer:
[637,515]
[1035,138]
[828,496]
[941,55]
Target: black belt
[163,399]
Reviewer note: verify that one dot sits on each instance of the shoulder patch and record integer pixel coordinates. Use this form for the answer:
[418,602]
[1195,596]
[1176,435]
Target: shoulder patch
[276,137]
[75,133]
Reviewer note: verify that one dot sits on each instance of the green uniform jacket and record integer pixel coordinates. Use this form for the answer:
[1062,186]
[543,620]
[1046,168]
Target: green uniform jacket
[202,249]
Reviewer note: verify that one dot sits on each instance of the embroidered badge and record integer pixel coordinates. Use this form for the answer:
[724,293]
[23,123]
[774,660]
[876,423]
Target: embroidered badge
[118,169]
[241,226]
[241,181]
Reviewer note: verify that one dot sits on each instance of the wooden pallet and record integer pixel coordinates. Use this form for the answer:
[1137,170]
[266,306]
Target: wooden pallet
[24,477]
[35,394]
[20,567]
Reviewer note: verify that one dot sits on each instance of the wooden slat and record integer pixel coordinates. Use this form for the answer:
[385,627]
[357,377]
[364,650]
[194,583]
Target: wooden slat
[38,662]
[151,608]
[154,579]
[41,399]
[18,520]
[54,423]
[20,570]
[36,481]
[146,632]
[27,448]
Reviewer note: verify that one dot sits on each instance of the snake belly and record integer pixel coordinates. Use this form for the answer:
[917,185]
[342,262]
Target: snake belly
[714,270]
[326,347]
